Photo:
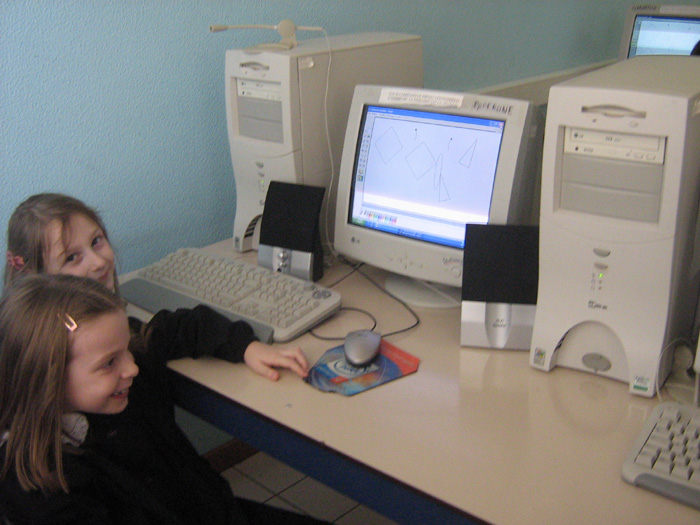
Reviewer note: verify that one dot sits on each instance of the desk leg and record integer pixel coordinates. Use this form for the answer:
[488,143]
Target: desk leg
[365,485]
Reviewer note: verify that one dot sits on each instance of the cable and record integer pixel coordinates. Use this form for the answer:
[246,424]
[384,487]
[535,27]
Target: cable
[661,357]
[400,301]
[333,254]
[357,268]
[341,338]
[676,390]
[696,369]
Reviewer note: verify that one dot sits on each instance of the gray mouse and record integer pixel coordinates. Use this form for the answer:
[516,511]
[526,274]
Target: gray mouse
[361,347]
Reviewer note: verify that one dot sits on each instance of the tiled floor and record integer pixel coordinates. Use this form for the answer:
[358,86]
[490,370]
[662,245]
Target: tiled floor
[264,479]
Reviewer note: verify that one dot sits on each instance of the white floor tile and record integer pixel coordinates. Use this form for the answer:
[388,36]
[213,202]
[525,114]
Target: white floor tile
[362,515]
[318,500]
[269,472]
[281,503]
[244,487]
[264,479]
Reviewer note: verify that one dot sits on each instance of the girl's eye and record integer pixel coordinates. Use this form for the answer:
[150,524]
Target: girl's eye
[71,258]
[97,240]
[110,363]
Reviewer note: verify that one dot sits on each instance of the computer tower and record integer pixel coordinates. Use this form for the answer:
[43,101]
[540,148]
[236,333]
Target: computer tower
[284,108]
[618,216]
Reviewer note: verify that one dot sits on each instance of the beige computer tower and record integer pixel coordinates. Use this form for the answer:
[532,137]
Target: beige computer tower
[287,113]
[619,206]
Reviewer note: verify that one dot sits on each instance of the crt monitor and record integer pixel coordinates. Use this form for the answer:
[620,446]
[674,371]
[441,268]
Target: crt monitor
[417,167]
[660,30]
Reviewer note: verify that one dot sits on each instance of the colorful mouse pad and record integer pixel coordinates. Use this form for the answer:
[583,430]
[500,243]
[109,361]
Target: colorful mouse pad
[333,373]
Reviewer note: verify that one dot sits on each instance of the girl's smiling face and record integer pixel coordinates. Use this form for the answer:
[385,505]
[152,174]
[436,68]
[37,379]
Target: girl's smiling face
[82,250]
[101,368]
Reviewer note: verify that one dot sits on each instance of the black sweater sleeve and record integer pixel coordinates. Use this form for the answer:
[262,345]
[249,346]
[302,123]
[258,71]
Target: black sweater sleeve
[194,333]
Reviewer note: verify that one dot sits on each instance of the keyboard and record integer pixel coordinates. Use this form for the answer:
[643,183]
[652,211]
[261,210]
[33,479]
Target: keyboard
[278,306]
[665,458]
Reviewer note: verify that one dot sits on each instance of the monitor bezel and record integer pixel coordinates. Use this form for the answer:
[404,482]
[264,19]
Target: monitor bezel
[425,260]
[655,10]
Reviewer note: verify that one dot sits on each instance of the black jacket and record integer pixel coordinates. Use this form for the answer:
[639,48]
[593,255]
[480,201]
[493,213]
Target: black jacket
[137,466]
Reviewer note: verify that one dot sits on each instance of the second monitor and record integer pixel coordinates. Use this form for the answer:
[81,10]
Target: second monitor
[418,166]
[657,29]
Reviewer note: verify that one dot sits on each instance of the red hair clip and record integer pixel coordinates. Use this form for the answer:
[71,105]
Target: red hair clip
[16,262]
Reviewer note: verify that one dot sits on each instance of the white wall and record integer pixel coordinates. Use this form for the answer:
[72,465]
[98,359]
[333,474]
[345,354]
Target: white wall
[121,103]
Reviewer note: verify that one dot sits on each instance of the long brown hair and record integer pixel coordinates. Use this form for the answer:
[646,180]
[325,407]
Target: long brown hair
[26,231]
[35,315]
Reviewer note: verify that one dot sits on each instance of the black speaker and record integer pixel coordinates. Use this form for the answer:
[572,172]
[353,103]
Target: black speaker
[290,239]
[500,263]
[499,285]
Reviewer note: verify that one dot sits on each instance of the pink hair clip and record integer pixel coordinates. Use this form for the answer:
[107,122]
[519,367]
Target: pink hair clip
[16,262]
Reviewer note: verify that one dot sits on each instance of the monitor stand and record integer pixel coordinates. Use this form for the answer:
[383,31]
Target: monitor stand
[423,294]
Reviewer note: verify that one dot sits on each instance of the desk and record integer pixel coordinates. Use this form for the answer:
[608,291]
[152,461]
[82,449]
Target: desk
[474,433]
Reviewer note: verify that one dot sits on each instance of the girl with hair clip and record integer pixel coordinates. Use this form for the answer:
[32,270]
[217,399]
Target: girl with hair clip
[87,432]
[58,234]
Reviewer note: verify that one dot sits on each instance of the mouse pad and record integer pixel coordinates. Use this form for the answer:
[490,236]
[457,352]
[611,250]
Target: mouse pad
[333,373]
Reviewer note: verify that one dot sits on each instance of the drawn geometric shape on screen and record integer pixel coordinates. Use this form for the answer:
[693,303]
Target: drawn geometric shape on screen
[388,145]
[439,182]
[438,173]
[420,161]
[443,194]
[466,159]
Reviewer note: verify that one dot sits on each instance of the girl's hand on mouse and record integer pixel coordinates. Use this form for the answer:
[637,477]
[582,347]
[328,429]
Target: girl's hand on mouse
[264,359]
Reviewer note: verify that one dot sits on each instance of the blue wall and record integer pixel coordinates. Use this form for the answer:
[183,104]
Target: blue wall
[121,102]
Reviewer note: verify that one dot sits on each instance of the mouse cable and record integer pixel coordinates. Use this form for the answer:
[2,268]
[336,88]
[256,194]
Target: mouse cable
[354,268]
[346,308]
[400,301]
[357,268]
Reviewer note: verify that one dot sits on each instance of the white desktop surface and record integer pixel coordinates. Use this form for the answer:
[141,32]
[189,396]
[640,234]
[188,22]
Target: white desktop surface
[478,429]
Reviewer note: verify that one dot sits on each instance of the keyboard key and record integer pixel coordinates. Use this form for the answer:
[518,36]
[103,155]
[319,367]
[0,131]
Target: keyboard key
[665,457]
[682,472]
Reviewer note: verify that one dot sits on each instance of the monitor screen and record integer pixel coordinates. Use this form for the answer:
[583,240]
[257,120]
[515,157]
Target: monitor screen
[418,167]
[424,175]
[660,30]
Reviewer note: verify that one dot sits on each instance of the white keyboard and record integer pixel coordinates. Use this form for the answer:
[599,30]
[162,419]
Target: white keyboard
[278,306]
[665,458]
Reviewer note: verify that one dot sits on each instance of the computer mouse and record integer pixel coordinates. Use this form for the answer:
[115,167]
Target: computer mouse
[361,347]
